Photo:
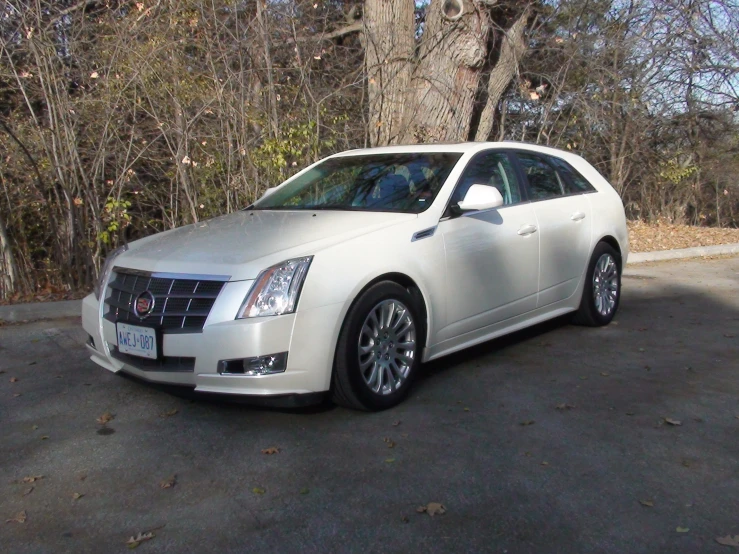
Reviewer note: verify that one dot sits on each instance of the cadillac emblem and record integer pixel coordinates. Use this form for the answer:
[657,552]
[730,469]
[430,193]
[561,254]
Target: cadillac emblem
[144,304]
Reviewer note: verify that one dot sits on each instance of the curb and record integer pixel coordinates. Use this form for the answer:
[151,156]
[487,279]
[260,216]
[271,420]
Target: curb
[683,253]
[18,313]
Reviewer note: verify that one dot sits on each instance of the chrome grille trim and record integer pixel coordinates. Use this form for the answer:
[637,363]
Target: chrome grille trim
[182,301]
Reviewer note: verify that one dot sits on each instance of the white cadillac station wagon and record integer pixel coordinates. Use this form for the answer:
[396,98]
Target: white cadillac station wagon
[345,278]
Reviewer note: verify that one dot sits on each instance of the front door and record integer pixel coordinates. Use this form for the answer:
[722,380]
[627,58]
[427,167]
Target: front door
[492,256]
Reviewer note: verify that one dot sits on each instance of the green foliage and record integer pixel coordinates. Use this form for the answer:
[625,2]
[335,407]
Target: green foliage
[674,173]
[115,217]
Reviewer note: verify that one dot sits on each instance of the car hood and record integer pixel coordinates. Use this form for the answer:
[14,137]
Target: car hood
[242,244]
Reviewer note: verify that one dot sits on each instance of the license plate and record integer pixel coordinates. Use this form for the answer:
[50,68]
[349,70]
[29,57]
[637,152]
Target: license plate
[137,341]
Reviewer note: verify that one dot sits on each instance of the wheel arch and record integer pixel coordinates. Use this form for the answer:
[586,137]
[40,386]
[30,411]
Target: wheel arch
[612,242]
[407,283]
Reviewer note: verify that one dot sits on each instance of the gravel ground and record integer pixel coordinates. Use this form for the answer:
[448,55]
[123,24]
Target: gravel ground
[559,439]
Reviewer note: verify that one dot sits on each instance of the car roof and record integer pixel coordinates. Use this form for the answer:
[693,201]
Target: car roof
[460,147]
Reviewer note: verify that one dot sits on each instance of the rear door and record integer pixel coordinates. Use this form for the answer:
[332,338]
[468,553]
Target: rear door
[564,219]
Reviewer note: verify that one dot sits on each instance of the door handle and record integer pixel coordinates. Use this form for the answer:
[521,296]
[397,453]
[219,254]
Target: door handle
[577,216]
[527,230]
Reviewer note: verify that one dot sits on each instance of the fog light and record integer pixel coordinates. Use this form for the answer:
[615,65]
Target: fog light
[253,367]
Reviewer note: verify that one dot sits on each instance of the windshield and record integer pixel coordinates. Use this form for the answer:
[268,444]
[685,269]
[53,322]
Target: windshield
[377,183]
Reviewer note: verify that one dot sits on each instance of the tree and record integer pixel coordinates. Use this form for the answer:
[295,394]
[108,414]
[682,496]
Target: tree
[445,85]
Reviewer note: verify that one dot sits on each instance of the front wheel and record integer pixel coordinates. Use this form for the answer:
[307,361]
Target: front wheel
[379,348]
[602,291]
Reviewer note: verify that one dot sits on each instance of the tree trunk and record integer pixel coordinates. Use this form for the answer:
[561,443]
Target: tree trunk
[512,49]
[7,264]
[389,45]
[445,82]
[428,92]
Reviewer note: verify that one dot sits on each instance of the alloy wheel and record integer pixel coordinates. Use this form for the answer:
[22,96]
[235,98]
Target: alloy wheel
[605,284]
[387,346]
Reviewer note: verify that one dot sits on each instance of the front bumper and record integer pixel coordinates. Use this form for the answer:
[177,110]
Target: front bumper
[309,337]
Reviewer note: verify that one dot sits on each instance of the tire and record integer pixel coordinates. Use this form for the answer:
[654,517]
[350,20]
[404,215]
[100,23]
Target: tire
[601,294]
[376,362]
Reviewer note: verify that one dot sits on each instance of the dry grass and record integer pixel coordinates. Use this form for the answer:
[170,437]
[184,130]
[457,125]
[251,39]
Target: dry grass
[648,237]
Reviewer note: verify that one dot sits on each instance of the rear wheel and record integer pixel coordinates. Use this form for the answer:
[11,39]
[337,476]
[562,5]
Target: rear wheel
[602,291]
[379,348]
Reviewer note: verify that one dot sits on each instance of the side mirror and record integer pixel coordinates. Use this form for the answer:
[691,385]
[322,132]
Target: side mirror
[481,197]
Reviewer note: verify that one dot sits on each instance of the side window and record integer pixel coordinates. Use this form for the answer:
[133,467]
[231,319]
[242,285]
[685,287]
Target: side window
[573,182]
[543,180]
[493,169]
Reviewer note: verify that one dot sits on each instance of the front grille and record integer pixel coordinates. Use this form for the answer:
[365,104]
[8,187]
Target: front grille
[181,305]
[166,363]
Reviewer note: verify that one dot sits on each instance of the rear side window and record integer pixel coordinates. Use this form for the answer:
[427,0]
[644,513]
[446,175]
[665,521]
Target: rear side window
[573,182]
[543,180]
[492,169]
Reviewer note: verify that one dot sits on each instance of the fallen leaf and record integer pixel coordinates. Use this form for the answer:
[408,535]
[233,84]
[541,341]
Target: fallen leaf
[545,463]
[77,496]
[432,509]
[304,491]
[396,423]
[647,503]
[34,427]
[528,422]
[17,394]
[630,413]
[404,519]
[604,373]
[258,490]
[642,328]
[169,482]
[466,409]
[672,421]
[389,460]
[44,437]
[14,379]
[728,540]
[32,478]
[389,442]
[565,407]
[271,450]
[583,377]
[133,542]
[20,518]
[728,336]
[28,491]
[105,418]
[682,529]
[169,413]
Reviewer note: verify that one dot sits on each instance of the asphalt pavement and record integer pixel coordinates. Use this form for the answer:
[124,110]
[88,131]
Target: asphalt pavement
[623,439]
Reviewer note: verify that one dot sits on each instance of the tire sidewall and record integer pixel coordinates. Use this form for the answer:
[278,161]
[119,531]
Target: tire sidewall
[348,353]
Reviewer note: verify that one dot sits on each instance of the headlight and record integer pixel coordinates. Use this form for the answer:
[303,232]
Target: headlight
[106,270]
[276,290]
